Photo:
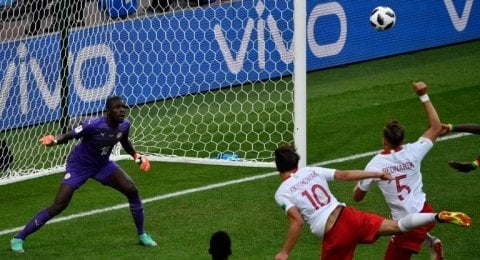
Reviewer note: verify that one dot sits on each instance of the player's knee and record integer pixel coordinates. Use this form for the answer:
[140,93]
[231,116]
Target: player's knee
[57,208]
[131,192]
[389,227]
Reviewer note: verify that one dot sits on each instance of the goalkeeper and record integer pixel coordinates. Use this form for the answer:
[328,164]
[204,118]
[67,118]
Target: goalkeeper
[90,159]
[463,128]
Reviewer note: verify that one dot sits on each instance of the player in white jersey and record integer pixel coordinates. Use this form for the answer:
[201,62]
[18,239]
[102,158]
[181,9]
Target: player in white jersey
[404,195]
[304,195]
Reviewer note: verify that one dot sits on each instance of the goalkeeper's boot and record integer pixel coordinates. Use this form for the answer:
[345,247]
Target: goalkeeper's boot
[16,244]
[461,167]
[457,218]
[146,240]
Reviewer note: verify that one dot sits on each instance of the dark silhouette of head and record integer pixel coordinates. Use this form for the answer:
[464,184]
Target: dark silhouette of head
[115,110]
[393,134]
[220,246]
[286,158]
[112,102]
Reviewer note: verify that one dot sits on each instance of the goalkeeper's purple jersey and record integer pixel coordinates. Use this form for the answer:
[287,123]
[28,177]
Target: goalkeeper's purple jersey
[97,142]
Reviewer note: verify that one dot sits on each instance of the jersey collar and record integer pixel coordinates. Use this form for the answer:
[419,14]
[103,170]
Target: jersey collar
[291,174]
[391,151]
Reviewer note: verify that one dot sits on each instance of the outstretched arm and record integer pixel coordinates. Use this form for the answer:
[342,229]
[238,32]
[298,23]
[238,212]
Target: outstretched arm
[434,125]
[356,175]
[294,231]
[50,140]
[463,128]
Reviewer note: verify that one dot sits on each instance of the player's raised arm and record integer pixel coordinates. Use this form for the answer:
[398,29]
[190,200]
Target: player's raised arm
[434,125]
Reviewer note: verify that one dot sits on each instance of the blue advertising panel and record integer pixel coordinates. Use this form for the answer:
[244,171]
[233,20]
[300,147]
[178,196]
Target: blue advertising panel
[160,57]
[339,32]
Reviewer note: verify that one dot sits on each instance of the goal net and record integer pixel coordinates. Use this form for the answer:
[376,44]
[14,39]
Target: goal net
[205,81]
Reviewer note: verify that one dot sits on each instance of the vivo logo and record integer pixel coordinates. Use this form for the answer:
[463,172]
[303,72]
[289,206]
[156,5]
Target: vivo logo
[52,98]
[459,21]
[235,64]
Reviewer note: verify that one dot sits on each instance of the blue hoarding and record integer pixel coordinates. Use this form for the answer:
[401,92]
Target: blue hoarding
[204,49]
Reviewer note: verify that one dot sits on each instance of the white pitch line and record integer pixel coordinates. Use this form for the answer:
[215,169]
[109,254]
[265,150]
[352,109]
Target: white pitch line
[208,187]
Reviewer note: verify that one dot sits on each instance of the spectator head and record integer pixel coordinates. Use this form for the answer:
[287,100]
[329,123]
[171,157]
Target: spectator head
[220,246]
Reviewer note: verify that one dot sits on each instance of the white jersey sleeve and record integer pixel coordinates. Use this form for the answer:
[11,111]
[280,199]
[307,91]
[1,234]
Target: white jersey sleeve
[365,184]
[420,148]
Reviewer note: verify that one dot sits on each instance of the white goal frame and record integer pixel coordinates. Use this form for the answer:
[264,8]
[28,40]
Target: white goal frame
[56,96]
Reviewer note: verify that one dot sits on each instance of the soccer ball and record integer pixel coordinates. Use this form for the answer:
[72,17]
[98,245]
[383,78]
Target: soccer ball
[382,18]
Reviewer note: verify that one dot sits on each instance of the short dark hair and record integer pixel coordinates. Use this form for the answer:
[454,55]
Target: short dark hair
[111,100]
[286,158]
[220,245]
[393,132]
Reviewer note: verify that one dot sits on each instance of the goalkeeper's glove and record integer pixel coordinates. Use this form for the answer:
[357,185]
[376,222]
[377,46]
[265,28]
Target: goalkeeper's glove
[48,140]
[142,160]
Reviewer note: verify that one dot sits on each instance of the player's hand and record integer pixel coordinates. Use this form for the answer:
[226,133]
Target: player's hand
[143,161]
[386,176]
[281,256]
[461,167]
[420,88]
[445,129]
[48,140]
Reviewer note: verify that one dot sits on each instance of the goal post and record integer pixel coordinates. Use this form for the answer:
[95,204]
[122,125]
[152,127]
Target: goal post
[204,84]
[300,80]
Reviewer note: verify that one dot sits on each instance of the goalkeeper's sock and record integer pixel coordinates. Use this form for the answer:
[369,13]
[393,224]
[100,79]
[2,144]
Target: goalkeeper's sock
[35,224]
[136,208]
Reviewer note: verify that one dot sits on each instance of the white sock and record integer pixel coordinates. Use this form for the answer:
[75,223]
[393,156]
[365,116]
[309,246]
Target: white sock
[415,220]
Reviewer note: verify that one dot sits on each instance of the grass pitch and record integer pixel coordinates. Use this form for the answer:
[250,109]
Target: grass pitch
[347,108]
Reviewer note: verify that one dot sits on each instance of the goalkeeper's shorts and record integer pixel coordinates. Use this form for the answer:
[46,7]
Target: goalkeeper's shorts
[77,175]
